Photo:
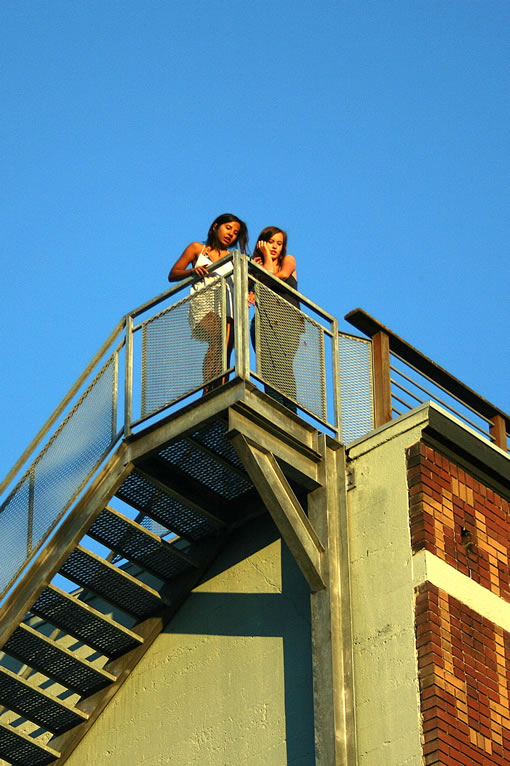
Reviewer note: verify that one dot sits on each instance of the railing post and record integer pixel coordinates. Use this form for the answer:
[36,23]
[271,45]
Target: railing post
[382,383]
[335,358]
[241,316]
[128,377]
[498,431]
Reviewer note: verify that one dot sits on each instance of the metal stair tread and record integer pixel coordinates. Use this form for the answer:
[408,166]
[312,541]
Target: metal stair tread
[79,619]
[58,663]
[111,583]
[167,507]
[139,545]
[19,749]
[36,704]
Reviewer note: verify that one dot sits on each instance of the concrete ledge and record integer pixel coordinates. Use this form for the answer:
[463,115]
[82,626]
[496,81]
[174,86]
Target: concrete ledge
[430,568]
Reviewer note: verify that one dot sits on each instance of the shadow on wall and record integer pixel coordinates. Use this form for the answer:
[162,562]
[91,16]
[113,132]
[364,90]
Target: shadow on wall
[254,591]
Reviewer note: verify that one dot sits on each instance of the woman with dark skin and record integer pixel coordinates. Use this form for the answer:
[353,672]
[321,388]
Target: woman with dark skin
[280,325]
[225,232]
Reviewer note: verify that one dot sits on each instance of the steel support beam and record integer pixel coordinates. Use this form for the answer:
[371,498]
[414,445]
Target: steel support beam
[288,445]
[335,734]
[285,509]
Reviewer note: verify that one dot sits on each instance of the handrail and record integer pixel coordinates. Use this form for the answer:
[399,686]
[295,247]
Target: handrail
[276,280]
[191,280]
[334,366]
[441,377]
[61,407]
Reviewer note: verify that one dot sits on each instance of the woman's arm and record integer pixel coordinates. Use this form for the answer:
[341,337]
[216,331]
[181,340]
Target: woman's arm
[181,270]
[284,271]
[287,269]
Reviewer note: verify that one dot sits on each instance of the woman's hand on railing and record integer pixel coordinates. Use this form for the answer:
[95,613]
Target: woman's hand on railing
[200,271]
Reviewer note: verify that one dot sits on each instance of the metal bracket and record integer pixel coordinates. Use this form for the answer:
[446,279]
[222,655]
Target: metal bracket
[285,509]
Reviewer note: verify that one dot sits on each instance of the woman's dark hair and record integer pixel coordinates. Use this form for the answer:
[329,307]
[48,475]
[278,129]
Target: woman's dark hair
[269,232]
[242,237]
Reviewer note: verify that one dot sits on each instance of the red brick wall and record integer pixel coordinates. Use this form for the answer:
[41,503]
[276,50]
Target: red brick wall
[464,672]
[463,658]
[459,519]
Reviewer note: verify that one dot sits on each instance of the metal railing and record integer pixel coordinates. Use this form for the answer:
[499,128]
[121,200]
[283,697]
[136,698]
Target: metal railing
[161,354]
[170,349]
[405,378]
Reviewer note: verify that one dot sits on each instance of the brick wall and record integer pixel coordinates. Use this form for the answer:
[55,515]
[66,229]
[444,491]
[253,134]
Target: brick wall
[463,658]
[459,519]
[464,667]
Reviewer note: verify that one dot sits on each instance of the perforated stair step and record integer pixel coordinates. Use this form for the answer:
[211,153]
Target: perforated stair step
[20,750]
[58,663]
[85,623]
[37,705]
[184,510]
[139,545]
[111,583]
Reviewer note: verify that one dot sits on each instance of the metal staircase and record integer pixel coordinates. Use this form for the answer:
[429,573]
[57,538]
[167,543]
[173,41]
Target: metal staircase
[69,652]
[123,500]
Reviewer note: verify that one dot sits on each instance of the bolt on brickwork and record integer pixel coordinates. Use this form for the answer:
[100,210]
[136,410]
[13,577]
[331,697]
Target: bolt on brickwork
[459,519]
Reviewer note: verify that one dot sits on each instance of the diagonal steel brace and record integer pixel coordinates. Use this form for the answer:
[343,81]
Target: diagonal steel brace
[285,509]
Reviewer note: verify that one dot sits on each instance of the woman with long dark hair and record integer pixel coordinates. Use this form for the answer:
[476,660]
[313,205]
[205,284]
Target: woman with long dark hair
[280,323]
[225,232]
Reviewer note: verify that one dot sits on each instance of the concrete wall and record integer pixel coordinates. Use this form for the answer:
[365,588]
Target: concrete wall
[430,592]
[229,682]
[385,663]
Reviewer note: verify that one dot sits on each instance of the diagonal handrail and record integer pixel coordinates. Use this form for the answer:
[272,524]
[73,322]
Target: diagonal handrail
[38,438]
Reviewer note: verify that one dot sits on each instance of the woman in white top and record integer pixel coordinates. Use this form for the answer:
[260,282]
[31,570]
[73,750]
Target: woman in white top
[225,232]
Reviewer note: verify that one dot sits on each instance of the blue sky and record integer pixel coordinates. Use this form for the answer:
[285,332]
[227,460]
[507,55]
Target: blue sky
[376,133]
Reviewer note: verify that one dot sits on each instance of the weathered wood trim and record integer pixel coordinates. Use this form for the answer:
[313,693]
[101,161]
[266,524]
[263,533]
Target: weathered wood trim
[498,432]
[382,382]
[426,366]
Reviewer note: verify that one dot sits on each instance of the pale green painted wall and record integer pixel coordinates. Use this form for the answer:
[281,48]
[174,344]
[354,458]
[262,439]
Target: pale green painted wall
[385,664]
[229,682]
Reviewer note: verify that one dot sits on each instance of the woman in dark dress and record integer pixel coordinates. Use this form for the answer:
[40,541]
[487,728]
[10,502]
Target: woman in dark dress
[279,321]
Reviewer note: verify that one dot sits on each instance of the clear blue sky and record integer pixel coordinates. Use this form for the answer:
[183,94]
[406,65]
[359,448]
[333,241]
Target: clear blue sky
[375,131]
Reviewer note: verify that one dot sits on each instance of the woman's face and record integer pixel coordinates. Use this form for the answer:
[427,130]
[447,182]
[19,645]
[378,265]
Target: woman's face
[227,233]
[275,244]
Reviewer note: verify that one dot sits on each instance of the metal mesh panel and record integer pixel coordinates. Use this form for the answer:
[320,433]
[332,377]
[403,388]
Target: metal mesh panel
[40,653]
[153,526]
[24,699]
[110,583]
[213,437]
[17,748]
[290,354]
[118,534]
[182,348]
[83,622]
[205,469]
[74,451]
[14,528]
[59,472]
[175,516]
[356,392]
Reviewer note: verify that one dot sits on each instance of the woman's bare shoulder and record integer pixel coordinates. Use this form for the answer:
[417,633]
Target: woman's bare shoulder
[193,250]
[196,246]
